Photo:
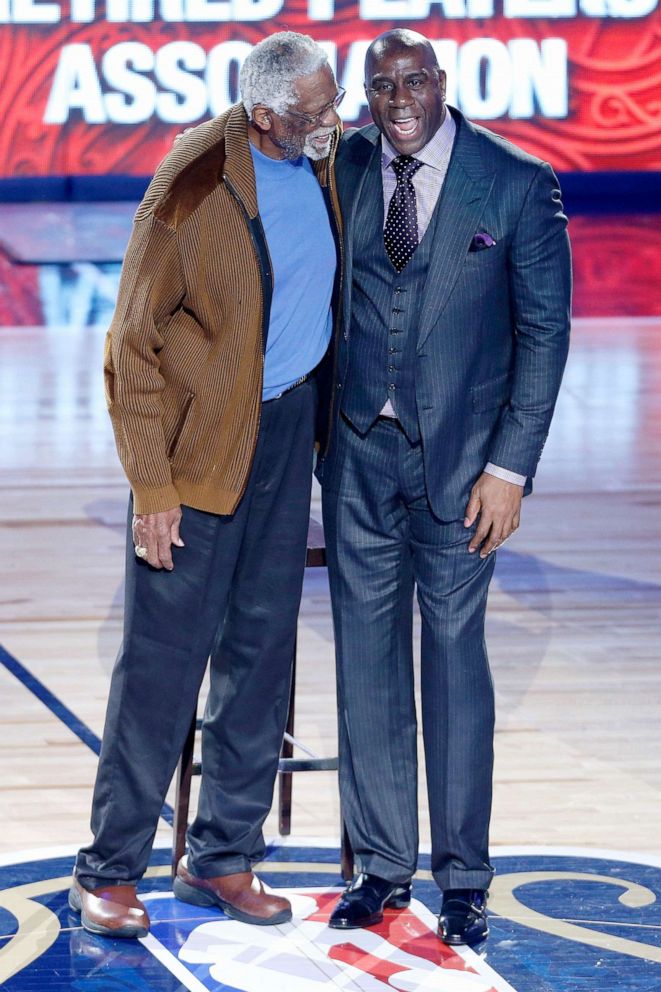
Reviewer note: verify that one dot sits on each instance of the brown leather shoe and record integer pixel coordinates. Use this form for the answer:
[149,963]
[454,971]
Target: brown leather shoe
[112,910]
[241,896]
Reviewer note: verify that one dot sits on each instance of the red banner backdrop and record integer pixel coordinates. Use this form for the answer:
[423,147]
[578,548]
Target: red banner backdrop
[583,92]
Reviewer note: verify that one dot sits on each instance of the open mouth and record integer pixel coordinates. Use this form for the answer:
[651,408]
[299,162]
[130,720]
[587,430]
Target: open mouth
[320,140]
[405,127]
[317,146]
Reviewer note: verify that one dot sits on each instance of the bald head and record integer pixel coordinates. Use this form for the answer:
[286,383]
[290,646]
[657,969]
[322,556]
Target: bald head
[399,39]
[405,89]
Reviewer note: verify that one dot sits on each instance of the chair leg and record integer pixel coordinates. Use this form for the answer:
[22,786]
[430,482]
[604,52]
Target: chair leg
[182,797]
[285,778]
[346,854]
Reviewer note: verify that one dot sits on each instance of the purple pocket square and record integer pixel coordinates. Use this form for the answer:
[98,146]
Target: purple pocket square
[481,240]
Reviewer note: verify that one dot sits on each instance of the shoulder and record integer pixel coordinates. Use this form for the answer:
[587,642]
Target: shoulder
[498,152]
[358,143]
[354,154]
[505,151]
[516,171]
[189,172]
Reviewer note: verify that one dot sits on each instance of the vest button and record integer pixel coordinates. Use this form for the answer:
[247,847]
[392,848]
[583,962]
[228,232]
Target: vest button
[391,386]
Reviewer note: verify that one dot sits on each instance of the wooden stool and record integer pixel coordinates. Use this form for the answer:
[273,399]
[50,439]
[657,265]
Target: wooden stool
[187,767]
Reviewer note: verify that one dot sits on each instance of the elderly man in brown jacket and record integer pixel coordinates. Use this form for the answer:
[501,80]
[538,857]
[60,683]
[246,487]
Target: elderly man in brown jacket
[223,314]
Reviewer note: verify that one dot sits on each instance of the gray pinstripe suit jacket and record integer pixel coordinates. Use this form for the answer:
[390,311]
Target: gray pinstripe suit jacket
[494,323]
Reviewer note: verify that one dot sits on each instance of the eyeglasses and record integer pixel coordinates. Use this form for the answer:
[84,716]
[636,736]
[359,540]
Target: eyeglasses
[313,119]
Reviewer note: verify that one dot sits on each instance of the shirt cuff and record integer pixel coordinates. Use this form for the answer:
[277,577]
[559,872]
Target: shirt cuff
[505,474]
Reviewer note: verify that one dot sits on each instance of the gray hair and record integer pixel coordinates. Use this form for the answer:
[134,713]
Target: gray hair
[272,68]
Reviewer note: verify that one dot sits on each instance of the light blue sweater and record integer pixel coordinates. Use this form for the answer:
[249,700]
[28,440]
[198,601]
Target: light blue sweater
[302,250]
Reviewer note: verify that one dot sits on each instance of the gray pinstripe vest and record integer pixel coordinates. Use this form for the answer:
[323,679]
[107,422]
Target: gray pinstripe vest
[385,309]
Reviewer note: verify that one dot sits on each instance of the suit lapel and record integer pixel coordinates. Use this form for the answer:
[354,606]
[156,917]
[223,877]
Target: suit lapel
[465,191]
[354,164]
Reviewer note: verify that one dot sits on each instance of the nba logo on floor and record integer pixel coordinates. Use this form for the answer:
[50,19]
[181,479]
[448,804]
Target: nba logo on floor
[212,953]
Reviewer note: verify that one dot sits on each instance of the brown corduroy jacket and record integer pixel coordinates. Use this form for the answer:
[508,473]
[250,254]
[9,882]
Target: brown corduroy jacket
[184,353]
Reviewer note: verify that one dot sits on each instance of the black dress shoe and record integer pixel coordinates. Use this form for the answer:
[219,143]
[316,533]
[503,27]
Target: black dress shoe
[463,916]
[362,904]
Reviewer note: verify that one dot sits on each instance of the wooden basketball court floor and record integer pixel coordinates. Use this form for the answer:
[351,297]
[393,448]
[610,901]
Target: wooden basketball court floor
[574,640]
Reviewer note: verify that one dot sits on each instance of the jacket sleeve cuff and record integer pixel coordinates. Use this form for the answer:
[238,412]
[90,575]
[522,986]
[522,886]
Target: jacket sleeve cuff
[154,500]
[505,474]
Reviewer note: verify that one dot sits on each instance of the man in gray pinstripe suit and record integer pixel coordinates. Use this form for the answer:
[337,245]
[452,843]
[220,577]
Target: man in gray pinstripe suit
[448,362]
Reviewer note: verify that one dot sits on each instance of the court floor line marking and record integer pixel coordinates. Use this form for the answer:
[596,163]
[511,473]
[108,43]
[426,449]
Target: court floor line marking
[62,712]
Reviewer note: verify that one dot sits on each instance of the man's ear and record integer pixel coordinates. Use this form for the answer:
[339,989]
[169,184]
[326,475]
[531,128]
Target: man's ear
[442,78]
[261,116]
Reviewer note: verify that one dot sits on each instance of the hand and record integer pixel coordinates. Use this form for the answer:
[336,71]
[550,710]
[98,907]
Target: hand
[179,136]
[157,532]
[498,504]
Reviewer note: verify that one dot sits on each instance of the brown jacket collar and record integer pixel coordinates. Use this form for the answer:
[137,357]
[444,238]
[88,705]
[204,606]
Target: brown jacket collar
[204,156]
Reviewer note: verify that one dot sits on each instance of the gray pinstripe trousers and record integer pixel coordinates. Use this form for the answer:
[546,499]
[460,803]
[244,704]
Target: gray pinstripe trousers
[382,541]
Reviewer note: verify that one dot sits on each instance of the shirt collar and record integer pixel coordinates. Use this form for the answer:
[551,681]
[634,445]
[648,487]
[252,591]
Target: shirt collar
[435,153]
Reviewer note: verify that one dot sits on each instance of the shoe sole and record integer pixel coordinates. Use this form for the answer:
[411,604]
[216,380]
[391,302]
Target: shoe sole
[126,933]
[395,902]
[367,921]
[202,897]
[457,941]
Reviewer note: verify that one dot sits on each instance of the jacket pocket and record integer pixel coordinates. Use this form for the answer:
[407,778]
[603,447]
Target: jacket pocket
[184,418]
[491,394]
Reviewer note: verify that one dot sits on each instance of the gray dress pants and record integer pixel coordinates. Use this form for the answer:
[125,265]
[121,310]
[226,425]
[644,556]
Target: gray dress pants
[383,540]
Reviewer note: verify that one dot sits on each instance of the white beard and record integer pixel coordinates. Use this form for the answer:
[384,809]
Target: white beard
[311,150]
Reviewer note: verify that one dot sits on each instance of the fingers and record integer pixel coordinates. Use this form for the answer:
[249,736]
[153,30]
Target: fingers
[493,540]
[175,537]
[148,538]
[491,533]
[140,534]
[157,532]
[499,505]
[472,509]
[481,534]
[164,545]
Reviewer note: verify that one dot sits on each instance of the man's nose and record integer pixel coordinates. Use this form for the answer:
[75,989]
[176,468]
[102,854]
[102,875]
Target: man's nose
[401,95]
[331,117]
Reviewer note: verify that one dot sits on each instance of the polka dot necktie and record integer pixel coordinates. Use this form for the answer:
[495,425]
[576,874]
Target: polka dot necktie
[401,231]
